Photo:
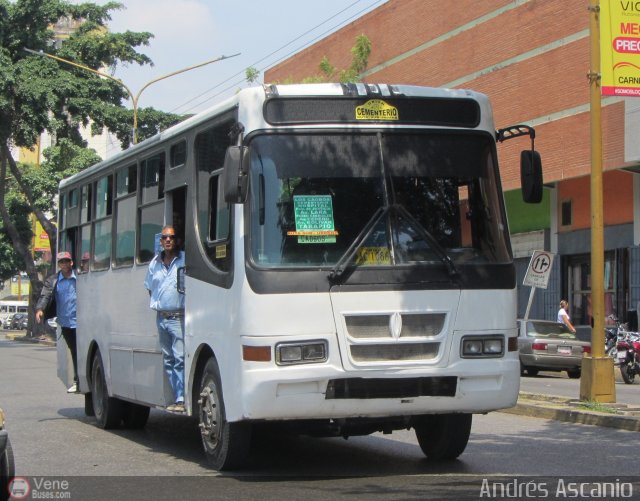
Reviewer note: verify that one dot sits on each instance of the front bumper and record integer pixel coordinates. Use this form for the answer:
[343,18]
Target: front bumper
[489,385]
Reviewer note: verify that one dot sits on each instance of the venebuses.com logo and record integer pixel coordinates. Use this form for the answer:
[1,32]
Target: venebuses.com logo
[38,488]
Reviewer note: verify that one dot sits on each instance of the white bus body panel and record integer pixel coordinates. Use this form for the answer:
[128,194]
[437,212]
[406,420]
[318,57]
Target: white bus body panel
[127,340]
[265,391]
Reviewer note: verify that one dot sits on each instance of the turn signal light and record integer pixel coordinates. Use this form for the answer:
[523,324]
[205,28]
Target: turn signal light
[256,353]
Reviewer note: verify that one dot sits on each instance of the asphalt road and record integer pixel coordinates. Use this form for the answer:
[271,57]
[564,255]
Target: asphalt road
[52,439]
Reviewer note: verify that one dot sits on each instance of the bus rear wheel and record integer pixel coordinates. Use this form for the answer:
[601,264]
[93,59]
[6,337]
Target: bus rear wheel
[226,445]
[443,436]
[108,410]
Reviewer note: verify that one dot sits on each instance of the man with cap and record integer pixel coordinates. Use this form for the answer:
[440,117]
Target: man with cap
[59,290]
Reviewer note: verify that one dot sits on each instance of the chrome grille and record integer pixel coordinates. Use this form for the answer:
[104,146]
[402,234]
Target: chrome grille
[394,352]
[394,337]
[377,326]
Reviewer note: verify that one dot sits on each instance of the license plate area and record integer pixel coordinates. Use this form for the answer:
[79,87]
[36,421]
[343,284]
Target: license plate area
[564,350]
[622,354]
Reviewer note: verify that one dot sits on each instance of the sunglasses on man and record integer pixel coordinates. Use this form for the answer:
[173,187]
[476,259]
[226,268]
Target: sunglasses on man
[167,237]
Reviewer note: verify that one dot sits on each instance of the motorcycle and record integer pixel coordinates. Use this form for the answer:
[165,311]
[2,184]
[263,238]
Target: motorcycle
[628,354]
[612,334]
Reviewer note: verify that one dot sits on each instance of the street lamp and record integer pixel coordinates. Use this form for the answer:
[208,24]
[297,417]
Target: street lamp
[134,97]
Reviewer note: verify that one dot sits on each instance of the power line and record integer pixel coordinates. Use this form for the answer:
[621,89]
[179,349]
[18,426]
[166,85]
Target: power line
[111,147]
[294,51]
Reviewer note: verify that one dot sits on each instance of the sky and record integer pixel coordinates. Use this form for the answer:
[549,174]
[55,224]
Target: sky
[189,32]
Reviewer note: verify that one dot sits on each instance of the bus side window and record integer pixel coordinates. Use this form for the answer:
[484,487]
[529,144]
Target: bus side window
[151,205]
[102,223]
[125,215]
[214,214]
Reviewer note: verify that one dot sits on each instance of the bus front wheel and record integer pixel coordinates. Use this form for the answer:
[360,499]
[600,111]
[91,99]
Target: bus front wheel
[226,445]
[108,410]
[443,436]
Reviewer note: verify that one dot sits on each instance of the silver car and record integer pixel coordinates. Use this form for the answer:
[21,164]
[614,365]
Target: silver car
[549,346]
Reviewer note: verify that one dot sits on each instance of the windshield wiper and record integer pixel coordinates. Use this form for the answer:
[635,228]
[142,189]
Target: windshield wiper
[429,238]
[341,266]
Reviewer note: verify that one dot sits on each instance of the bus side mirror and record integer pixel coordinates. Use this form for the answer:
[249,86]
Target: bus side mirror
[182,273]
[531,176]
[235,175]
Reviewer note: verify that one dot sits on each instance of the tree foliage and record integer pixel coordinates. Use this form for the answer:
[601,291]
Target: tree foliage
[251,75]
[39,94]
[359,59]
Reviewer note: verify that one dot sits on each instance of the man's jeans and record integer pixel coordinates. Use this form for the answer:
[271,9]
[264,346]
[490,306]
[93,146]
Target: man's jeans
[171,333]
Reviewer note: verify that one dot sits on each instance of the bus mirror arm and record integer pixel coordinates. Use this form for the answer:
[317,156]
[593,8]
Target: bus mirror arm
[235,174]
[530,163]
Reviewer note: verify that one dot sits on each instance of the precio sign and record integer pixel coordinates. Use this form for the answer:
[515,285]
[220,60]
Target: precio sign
[620,47]
[539,269]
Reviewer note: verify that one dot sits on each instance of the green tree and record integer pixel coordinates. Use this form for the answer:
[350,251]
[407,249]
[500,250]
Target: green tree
[359,59]
[251,75]
[39,94]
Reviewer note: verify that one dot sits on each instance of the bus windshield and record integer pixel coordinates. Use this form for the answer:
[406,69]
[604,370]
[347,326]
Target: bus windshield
[376,199]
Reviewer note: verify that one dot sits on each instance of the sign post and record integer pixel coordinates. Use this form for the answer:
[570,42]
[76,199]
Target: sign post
[619,67]
[537,275]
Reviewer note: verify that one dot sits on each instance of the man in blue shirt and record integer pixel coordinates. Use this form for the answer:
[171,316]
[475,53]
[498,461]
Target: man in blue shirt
[161,282]
[61,288]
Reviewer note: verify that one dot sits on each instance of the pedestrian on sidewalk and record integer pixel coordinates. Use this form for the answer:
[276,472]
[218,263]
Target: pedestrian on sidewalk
[58,298]
[563,315]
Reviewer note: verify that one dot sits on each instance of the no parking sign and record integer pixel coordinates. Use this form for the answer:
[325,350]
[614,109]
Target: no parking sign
[539,269]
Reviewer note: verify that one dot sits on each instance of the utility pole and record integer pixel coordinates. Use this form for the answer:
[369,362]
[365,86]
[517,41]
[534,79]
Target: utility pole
[597,383]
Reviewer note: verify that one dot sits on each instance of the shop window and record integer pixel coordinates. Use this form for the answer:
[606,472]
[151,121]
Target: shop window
[579,287]
[565,213]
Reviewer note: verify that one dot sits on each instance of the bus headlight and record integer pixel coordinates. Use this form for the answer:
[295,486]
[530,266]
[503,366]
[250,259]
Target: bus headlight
[482,346]
[307,352]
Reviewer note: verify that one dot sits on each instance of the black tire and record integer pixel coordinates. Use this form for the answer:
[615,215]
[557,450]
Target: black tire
[7,471]
[134,416]
[108,410]
[226,445]
[574,373]
[443,436]
[626,371]
[532,371]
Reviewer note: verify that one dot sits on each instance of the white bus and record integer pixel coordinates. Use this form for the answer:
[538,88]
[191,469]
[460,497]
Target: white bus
[9,307]
[348,266]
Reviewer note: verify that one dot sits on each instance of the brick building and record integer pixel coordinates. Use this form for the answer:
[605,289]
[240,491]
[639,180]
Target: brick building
[531,57]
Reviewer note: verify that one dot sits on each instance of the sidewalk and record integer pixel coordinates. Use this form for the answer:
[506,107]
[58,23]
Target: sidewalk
[617,415]
[21,336]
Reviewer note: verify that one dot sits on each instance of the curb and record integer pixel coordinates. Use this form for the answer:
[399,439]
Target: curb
[564,409]
[21,337]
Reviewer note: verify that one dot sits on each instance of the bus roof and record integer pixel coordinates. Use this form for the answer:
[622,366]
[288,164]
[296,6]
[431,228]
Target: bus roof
[260,93]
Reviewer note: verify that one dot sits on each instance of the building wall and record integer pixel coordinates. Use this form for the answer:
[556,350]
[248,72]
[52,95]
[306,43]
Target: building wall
[617,194]
[531,57]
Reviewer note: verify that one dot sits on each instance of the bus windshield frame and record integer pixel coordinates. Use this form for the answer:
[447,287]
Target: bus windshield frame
[385,198]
